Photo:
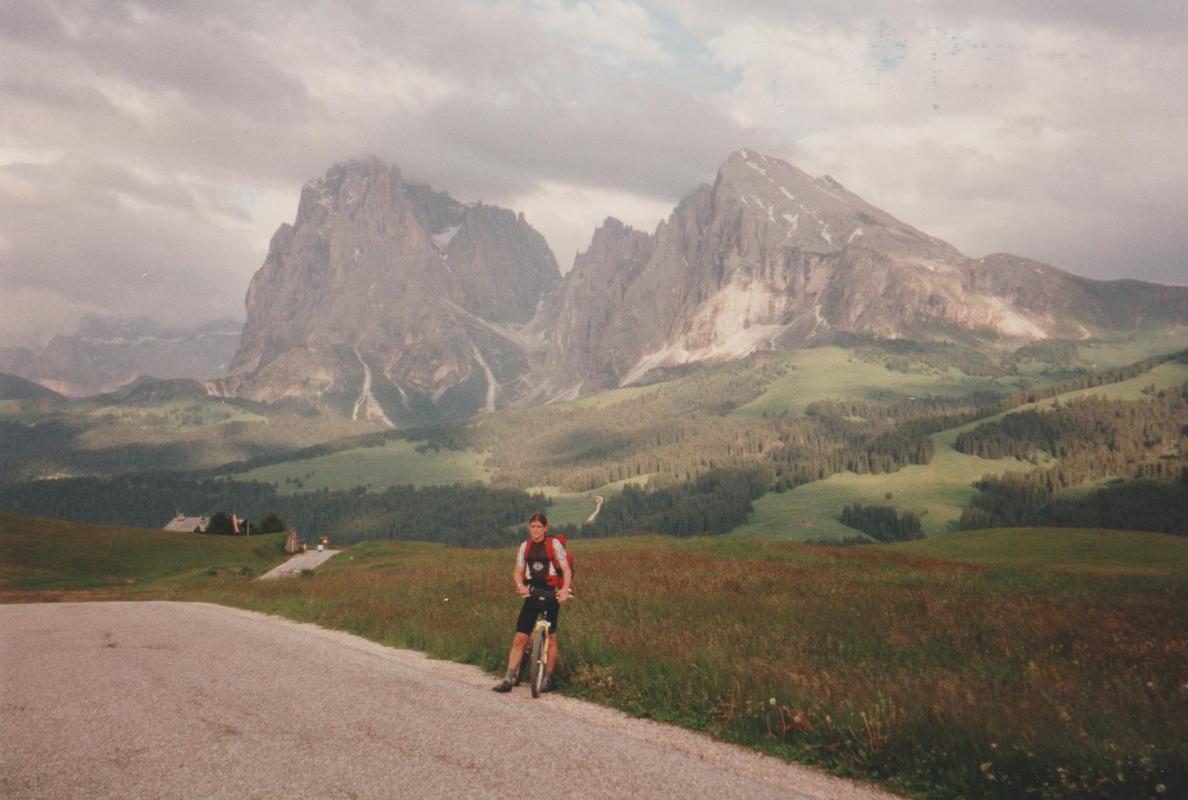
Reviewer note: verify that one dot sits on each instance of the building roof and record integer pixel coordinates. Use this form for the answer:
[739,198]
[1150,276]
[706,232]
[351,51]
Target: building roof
[184,524]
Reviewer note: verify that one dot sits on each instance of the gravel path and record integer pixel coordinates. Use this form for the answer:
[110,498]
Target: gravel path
[291,568]
[189,700]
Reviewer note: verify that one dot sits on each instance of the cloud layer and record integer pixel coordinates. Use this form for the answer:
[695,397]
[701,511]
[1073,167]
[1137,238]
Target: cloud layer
[148,151]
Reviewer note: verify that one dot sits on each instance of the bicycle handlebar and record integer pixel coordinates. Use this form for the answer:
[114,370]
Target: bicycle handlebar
[545,593]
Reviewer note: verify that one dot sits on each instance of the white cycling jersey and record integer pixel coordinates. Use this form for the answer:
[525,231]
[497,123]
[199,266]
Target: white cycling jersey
[540,568]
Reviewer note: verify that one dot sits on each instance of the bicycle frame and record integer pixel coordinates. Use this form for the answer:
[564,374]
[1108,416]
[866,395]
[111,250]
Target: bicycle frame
[536,649]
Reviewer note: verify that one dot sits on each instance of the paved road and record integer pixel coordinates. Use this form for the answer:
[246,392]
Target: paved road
[307,560]
[188,700]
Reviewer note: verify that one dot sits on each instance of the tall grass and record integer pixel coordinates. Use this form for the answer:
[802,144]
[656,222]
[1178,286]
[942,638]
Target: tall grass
[44,554]
[942,678]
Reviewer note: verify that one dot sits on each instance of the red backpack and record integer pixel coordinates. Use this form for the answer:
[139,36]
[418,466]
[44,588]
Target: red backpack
[558,579]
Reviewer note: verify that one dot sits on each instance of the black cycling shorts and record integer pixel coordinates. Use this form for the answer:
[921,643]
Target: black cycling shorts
[533,606]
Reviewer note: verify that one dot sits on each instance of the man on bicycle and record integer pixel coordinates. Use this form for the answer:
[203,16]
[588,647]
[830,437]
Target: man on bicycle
[536,570]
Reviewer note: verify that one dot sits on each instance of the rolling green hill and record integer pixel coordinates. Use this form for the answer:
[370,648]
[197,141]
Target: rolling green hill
[1061,550]
[872,422]
[39,554]
[394,463]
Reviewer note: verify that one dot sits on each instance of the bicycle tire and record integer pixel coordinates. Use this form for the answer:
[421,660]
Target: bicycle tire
[539,658]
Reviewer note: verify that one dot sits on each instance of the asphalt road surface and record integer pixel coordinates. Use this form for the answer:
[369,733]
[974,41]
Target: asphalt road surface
[188,700]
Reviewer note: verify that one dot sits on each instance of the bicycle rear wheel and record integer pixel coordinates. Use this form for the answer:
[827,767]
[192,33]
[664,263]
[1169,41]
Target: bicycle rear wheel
[539,659]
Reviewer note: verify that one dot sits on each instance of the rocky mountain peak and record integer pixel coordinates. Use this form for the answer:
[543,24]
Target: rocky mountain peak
[390,301]
[816,214]
[769,256]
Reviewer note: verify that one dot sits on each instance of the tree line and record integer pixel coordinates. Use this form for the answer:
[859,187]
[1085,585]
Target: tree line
[713,503]
[1143,441]
[882,523]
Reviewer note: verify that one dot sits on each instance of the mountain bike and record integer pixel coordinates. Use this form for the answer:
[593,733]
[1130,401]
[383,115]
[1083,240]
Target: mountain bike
[536,651]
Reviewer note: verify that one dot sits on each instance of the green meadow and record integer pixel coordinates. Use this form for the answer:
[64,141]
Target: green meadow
[990,664]
[610,397]
[997,664]
[394,463]
[937,491]
[834,372]
[42,554]
[1117,351]
[574,508]
[175,415]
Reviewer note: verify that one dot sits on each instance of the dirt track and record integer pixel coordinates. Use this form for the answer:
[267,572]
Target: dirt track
[184,700]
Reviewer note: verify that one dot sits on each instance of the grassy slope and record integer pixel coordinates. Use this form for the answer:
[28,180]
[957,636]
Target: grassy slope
[39,554]
[1061,550]
[838,373]
[938,490]
[176,415]
[814,374]
[931,665]
[610,397]
[1122,350]
[392,464]
[575,507]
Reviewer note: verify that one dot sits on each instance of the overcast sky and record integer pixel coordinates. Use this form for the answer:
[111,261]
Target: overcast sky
[149,150]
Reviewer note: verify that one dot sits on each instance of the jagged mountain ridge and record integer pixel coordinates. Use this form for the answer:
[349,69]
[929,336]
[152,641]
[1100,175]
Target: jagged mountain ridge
[106,353]
[770,257]
[390,301]
[387,300]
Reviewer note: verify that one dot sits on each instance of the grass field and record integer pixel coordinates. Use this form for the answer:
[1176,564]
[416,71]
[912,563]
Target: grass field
[611,396]
[937,491]
[176,415]
[574,508]
[1055,550]
[394,463]
[997,664]
[833,372]
[1119,351]
[42,554]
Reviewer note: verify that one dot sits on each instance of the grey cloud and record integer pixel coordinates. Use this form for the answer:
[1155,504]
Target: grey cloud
[78,240]
[1162,19]
[618,137]
[238,104]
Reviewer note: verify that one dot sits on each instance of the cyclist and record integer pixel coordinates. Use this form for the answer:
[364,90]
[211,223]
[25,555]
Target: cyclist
[535,569]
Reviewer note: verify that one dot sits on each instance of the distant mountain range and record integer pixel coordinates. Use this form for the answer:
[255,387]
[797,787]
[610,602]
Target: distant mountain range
[770,257]
[388,301]
[106,353]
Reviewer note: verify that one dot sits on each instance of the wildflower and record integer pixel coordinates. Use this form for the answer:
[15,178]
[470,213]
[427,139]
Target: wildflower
[1160,789]
[771,702]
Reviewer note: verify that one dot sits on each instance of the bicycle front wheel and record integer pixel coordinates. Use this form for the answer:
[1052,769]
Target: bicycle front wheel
[539,658]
